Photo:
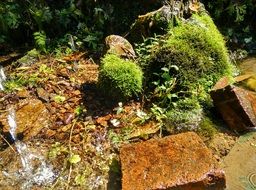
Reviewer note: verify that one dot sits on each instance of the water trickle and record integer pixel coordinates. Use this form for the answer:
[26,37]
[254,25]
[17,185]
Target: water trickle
[34,170]
[2,78]
[12,123]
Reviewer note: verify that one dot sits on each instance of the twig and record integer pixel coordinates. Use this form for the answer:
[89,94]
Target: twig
[7,142]
[69,175]
[70,152]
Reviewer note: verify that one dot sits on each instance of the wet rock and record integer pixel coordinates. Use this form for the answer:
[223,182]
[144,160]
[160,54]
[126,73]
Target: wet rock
[31,117]
[239,164]
[119,46]
[176,162]
[236,105]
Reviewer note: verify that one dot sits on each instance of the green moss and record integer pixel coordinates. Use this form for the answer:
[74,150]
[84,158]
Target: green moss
[19,81]
[196,56]
[199,51]
[207,128]
[185,115]
[118,78]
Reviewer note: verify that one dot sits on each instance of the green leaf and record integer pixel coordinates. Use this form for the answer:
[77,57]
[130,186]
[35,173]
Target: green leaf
[78,110]
[75,158]
[59,99]
[80,180]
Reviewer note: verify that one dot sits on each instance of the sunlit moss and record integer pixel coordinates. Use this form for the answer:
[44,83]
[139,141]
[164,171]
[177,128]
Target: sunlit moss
[118,78]
[196,56]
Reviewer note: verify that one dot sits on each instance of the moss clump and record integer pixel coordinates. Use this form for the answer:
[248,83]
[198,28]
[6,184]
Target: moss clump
[195,55]
[120,79]
[207,128]
[197,48]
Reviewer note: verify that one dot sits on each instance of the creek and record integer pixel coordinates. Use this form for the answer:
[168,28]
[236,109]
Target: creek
[2,78]
[34,169]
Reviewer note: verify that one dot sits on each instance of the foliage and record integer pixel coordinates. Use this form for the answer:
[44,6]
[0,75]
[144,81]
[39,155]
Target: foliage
[40,40]
[120,78]
[88,20]
[164,87]
[144,49]
[237,11]
[20,19]
[236,18]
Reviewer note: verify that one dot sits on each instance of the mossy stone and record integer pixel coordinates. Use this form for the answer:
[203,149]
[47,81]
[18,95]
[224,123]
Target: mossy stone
[198,49]
[120,79]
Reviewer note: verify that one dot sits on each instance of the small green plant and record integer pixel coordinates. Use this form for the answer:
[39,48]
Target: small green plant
[40,40]
[59,99]
[45,69]
[17,82]
[56,150]
[74,159]
[164,87]
[120,79]
[145,49]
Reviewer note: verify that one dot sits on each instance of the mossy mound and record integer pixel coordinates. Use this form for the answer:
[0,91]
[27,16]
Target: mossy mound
[198,49]
[195,56]
[120,79]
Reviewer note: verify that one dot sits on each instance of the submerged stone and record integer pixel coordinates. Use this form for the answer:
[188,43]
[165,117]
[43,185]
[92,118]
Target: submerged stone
[241,173]
[176,162]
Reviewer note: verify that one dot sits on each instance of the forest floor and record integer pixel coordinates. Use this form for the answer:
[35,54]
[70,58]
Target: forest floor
[86,129]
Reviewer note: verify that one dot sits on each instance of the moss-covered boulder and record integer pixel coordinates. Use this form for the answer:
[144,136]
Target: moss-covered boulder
[195,56]
[118,78]
[197,49]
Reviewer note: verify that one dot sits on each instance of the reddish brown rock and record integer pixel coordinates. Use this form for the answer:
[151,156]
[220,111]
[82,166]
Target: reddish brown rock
[31,117]
[176,162]
[236,105]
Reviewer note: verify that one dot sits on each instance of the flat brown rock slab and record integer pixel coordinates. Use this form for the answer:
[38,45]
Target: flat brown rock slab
[177,162]
[237,107]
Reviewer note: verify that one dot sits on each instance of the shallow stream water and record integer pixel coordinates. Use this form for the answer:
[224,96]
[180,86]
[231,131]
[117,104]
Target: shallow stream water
[240,164]
[33,169]
[2,78]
